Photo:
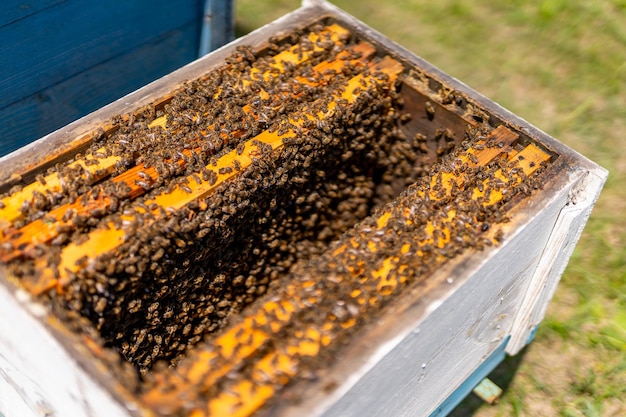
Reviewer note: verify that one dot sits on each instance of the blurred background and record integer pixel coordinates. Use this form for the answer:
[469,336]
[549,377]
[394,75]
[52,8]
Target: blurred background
[561,65]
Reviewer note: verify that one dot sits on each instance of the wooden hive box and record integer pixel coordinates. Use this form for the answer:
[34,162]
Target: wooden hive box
[389,318]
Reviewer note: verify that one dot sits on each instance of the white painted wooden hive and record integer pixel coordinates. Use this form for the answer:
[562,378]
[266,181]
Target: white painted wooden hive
[389,319]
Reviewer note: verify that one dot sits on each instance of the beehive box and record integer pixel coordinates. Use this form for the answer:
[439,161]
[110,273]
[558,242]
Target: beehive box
[341,229]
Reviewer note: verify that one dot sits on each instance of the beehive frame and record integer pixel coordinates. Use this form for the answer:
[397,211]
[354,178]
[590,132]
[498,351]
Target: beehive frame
[419,351]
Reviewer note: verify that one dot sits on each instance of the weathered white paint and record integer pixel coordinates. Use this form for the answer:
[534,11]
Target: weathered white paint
[38,377]
[19,396]
[559,248]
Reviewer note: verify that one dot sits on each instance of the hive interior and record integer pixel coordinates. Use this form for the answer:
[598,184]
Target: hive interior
[274,159]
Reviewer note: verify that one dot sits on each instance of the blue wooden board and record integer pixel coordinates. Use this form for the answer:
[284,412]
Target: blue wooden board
[218,27]
[51,46]
[60,60]
[483,370]
[14,10]
[55,107]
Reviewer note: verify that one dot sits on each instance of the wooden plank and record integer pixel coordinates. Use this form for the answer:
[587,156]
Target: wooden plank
[218,25]
[558,249]
[488,391]
[417,98]
[40,376]
[14,10]
[60,104]
[47,48]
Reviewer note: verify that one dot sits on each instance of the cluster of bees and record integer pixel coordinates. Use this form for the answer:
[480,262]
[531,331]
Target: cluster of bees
[326,299]
[176,280]
[349,211]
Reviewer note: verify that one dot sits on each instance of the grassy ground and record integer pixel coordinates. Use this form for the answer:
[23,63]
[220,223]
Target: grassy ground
[560,64]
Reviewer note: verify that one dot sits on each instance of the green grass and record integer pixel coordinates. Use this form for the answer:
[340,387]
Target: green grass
[560,64]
